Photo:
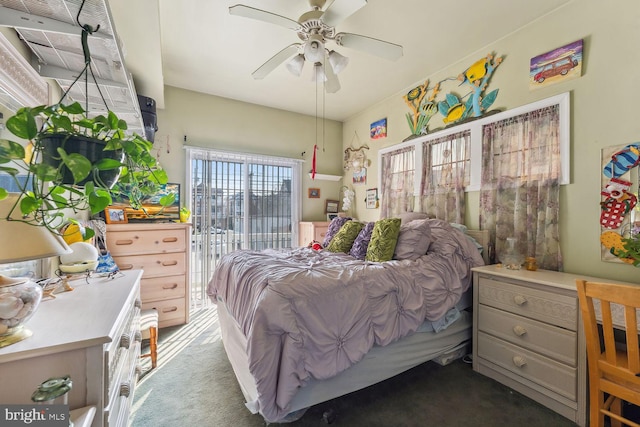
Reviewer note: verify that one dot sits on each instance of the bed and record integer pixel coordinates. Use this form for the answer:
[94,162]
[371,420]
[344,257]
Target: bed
[301,327]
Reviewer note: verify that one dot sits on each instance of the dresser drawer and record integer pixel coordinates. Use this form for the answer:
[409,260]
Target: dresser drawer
[552,341]
[154,265]
[539,369]
[135,242]
[320,232]
[548,307]
[170,312]
[159,288]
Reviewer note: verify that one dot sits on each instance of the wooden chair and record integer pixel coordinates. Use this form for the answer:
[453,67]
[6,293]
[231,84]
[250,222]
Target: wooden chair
[149,329]
[614,369]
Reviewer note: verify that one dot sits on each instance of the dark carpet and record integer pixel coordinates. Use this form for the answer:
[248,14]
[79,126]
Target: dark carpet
[194,385]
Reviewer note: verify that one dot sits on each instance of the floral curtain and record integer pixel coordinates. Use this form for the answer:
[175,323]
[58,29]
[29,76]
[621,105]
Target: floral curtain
[398,169]
[520,188]
[445,173]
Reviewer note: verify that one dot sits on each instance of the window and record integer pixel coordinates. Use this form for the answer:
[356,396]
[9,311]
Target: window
[446,158]
[238,201]
[398,178]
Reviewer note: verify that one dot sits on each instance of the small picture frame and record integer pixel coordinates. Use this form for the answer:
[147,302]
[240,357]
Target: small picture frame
[372,198]
[115,215]
[314,193]
[331,216]
[331,206]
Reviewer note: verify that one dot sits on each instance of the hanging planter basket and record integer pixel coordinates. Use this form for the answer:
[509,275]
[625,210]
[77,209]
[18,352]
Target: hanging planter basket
[91,148]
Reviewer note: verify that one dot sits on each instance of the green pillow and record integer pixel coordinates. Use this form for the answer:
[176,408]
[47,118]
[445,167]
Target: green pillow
[343,240]
[383,240]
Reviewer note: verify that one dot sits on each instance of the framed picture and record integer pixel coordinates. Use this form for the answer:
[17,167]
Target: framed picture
[115,215]
[331,216]
[372,198]
[314,193]
[331,206]
[379,129]
[560,64]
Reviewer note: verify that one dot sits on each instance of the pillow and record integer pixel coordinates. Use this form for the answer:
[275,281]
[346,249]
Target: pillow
[334,227]
[406,217]
[343,240]
[383,240]
[359,247]
[414,240]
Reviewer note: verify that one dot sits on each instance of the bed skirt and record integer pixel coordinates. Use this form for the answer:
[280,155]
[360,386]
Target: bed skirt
[379,363]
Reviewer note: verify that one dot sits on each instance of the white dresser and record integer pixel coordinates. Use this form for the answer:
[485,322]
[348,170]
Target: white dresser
[528,335]
[92,334]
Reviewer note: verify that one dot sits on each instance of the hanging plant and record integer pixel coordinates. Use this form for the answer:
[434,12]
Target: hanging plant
[73,161]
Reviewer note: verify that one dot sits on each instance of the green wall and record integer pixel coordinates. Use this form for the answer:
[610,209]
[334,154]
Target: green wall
[220,123]
[603,113]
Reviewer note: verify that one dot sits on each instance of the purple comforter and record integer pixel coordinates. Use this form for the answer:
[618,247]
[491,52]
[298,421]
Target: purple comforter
[313,314]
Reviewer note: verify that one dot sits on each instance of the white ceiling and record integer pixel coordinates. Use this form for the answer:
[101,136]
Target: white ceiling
[198,45]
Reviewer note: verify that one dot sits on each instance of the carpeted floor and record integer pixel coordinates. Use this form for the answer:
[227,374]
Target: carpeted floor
[194,385]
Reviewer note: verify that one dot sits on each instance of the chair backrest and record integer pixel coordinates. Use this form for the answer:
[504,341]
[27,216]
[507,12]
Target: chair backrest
[617,304]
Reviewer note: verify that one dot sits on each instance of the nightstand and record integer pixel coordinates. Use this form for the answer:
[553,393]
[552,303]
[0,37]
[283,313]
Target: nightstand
[309,231]
[528,335]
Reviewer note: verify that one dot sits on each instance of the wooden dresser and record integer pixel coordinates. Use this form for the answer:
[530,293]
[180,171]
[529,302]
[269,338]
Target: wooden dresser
[91,334]
[162,251]
[309,231]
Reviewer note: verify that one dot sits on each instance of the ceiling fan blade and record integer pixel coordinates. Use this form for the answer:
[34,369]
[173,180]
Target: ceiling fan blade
[370,45]
[332,84]
[263,15]
[340,10]
[275,60]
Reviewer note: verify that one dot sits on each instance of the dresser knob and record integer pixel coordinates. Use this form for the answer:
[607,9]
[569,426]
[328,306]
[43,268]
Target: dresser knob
[125,341]
[519,330]
[519,299]
[125,389]
[519,361]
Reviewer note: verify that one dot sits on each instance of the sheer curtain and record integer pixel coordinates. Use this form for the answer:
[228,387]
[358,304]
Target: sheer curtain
[520,188]
[398,169]
[445,173]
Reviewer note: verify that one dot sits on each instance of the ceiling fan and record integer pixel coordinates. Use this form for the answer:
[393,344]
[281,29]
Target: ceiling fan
[315,28]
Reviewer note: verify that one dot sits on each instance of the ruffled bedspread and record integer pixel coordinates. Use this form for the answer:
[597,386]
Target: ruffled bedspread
[309,313]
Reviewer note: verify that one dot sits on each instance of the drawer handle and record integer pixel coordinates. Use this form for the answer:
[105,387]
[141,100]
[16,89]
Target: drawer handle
[169,309]
[519,330]
[125,266]
[125,341]
[520,300]
[170,239]
[124,242]
[169,263]
[519,361]
[171,286]
[125,389]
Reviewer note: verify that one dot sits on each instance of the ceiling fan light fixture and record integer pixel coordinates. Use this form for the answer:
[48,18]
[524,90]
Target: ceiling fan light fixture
[338,62]
[295,65]
[314,49]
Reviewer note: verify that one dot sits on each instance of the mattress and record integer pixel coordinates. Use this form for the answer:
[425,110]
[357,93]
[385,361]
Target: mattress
[380,363]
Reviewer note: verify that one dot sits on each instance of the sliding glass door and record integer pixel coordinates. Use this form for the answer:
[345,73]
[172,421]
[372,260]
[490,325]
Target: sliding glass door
[238,201]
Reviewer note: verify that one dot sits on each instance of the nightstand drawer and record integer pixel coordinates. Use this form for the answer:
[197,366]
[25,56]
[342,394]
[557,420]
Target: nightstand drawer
[541,370]
[548,307]
[160,288]
[552,341]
